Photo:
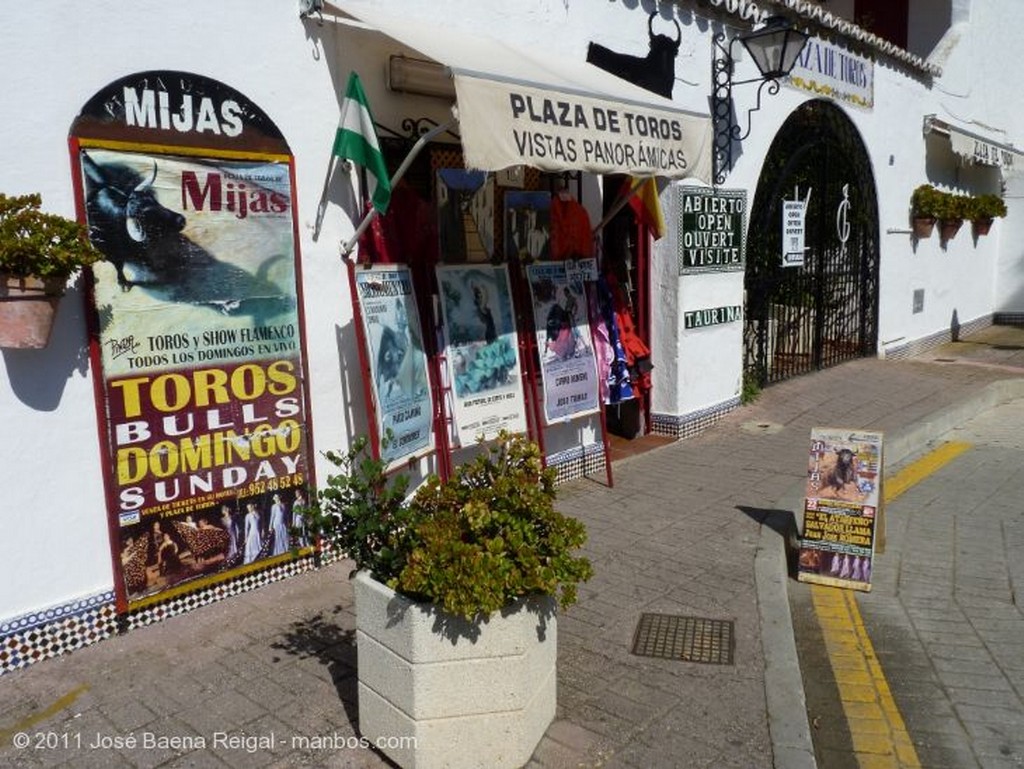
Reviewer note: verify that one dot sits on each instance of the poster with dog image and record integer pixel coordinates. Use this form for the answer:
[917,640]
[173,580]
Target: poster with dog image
[396,361]
[841,508]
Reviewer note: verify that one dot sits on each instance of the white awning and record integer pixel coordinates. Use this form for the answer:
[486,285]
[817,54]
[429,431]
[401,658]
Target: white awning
[518,106]
[973,147]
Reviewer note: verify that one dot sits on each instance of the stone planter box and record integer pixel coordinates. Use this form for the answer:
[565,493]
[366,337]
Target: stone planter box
[437,691]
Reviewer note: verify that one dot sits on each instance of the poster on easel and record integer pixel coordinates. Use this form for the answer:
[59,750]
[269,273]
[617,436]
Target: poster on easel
[481,351]
[841,508]
[567,360]
[396,361]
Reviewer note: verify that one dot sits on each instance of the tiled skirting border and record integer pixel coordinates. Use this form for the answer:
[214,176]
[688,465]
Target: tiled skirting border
[44,634]
[694,423]
[577,462]
[930,342]
[1008,319]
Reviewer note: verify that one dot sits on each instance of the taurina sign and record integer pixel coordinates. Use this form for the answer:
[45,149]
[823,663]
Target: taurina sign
[188,190]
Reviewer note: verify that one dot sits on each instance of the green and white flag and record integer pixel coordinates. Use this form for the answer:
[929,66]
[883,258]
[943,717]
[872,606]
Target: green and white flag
[356,140]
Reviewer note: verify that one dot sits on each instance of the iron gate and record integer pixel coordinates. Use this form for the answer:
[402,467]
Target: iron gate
[802,318]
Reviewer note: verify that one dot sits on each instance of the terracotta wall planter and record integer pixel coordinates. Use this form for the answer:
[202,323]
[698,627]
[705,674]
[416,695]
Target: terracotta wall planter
[467,694]
[923,226]
[948,228]
[982,226]
[28,307]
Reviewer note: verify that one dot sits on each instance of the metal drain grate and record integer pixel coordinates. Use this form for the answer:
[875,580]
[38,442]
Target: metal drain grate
[691,639]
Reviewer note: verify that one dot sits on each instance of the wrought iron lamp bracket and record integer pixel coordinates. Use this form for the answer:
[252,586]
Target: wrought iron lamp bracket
[726,131]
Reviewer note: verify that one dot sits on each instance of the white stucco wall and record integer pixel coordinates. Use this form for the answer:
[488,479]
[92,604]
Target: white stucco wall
[56,544]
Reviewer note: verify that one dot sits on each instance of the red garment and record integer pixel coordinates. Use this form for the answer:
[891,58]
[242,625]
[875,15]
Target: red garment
[638,354]
[405,234]
[571,234]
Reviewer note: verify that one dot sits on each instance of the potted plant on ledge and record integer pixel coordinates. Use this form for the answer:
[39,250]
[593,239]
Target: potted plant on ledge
[925,204]
[38,253]
[952,211]
[456,594]
[985,210]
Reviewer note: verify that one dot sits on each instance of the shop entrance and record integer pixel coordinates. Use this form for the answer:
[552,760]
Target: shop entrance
[804,317]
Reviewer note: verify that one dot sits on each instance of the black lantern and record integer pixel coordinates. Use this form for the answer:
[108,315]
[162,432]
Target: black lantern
[774,48]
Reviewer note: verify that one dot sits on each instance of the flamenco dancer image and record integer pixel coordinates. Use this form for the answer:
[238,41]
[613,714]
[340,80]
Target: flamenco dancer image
[278,526]
[252,534]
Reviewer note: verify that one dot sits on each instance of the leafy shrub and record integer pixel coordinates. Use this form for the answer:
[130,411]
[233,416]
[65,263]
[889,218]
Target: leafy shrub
[34,243]
[926,201]
[989,206]
[955,207]
[363,512]
[471,545]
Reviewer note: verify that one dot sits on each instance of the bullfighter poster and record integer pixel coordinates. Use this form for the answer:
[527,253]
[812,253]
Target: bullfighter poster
[482,352]
[397,362]
[841,508]
[567,360]
[187,189]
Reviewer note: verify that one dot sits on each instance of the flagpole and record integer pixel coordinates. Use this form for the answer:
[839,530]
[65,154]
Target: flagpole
[618,205]
[346,248]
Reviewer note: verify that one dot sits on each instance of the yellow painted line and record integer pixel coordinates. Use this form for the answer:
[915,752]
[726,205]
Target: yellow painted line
[877,731]
[42,715]
[917,471]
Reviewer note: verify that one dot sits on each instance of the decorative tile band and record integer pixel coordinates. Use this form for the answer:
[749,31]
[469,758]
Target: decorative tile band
[688,425]
[924,344]
[577,462]
[46,616]
[1008,319]
[69,627]
[44,634]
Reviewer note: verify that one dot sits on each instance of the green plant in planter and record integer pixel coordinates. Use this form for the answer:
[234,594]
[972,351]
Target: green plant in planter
[38,244]
[926,202]
[988,206]
[953,207]
[363,512]
[472,545]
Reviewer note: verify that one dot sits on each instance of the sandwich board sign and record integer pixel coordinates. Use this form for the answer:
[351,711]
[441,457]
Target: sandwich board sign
[841,508]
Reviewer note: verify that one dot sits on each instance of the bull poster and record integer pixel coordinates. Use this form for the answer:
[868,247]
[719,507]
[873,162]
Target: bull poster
[482,351]
[397,362]
[187,190]
[841,508]
[567,360]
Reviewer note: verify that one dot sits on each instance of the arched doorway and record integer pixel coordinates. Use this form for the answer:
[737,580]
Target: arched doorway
[803,317]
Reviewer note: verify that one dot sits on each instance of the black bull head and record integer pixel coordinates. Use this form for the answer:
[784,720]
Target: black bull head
[655,72]
[126,221]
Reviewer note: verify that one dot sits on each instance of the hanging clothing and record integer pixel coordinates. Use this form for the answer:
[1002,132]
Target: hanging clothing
[620,387]
[603,352]
[638,354]
[571,234]
[405,234]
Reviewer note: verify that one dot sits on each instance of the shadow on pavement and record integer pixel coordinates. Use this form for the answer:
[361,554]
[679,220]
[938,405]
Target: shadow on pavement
[783,523]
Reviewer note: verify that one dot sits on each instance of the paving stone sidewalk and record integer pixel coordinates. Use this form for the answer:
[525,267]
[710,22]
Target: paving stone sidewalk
[680,533]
